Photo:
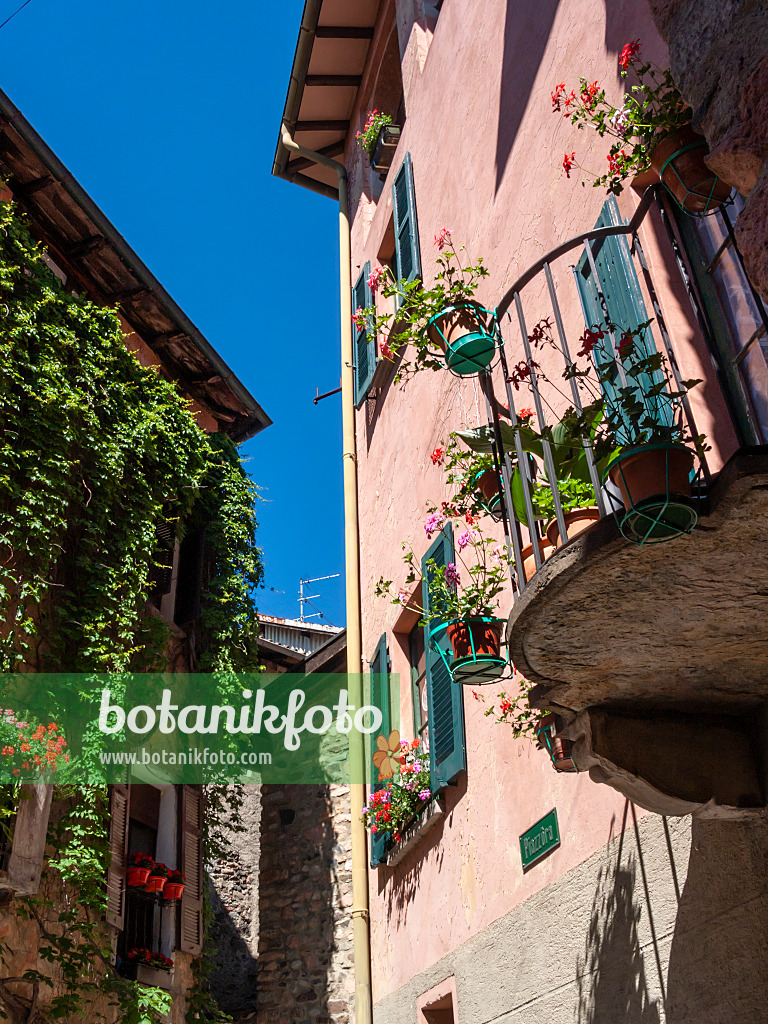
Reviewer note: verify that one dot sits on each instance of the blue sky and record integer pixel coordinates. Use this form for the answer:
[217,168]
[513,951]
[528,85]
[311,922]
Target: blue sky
[168,114]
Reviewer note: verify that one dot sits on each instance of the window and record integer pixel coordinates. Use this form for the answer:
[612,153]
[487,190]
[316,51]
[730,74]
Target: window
[445,699]
[417,657]
[364,341]
[614,296]
[165,822]
[438,1005]
[407,261]
[381,699]
[735,314]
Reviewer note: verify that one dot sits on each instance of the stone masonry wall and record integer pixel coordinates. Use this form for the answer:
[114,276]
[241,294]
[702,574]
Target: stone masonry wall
[305,893]
[233,889]
[718,51]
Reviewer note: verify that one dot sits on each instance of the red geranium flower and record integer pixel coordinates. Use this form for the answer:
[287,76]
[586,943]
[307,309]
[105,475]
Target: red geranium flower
[568,163]
[627,55]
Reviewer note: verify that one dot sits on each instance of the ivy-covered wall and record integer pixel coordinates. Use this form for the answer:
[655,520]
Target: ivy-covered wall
[96,451]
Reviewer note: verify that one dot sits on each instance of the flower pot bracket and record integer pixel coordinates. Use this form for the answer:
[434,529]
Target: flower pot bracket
[699,192]
[384,148]
[474,351]
[661,517]
[476,669]
[558,749]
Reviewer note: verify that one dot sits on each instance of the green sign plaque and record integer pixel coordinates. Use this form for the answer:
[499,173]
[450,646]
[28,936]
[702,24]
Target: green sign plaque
[539,840]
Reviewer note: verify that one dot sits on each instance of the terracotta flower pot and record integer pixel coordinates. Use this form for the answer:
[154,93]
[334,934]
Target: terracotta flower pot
[464,334]
[641,473]
[137,876]
[529,562]
[173,890]
[577,521]
[155,883]
[485,635]
[561,755]
[679,162]
[488,484]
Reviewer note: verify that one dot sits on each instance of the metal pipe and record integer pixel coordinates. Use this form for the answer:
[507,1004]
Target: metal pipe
[546,447]
[360,912]
[522,466]
[590,456]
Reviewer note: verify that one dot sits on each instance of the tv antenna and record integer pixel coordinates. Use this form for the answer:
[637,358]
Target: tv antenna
[308,600]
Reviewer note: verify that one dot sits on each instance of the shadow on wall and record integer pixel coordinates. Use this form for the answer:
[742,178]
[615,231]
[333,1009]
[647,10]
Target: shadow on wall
[526,34]
[611,976]
[305,949]
[718,964]
[233,978]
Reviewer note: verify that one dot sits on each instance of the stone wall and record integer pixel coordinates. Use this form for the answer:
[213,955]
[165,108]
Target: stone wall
[718,51]
[665,925]
[305,896]
[233,889]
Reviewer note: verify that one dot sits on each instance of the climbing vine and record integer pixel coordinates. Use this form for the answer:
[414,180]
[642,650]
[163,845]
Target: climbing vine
[96,451]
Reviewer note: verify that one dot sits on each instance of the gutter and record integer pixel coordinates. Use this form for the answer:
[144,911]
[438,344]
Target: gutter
[65,178]
[360,911]
[306,41]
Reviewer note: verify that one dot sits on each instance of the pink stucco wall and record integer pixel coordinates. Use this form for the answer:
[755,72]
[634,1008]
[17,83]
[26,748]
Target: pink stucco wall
[486,153]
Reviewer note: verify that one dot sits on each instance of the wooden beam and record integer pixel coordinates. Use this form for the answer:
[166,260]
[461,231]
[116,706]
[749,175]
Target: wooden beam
[343,32]
[301,164]
[351,80]
[127,295]
[37,185]
[86,247]
[322,126]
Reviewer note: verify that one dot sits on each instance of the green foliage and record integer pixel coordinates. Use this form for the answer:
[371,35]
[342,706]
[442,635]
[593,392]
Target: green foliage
[95,452]
[415,305]
[652,110]
[366,138]
[74,941]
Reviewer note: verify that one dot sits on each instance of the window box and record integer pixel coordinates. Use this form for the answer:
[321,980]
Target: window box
[154,976]
[383,151]
[411,835]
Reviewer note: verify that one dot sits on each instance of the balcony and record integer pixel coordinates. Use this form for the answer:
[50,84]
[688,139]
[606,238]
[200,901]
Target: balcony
[652,655]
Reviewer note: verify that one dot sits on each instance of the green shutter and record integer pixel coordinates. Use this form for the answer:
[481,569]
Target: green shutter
[621,293]
[364,340]
[407,251]
[379,699]
[445,699]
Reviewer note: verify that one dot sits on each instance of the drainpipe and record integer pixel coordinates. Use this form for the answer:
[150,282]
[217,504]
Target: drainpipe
[360,916]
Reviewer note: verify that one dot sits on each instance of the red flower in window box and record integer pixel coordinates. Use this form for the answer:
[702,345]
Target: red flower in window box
[175,886]
[157,878]
[140,867]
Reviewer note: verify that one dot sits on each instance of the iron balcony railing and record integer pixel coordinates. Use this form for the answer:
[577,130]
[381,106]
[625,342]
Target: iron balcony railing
[545,292]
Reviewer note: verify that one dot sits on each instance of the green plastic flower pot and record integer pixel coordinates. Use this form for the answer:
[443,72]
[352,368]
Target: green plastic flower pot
[655,485]
[465,332]
[474,656]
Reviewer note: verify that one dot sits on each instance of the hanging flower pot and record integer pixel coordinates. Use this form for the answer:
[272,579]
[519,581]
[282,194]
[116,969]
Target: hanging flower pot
[155,884]
[488,484]
[559,748]
[576,522]
[529,561]
[655,485]
[465,332]
[384,148]
[679,161]
[481,636]
[137,876]
[475,656]
[173,890]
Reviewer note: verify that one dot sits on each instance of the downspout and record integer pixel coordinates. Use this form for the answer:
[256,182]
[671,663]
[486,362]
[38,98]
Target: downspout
[360,915]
